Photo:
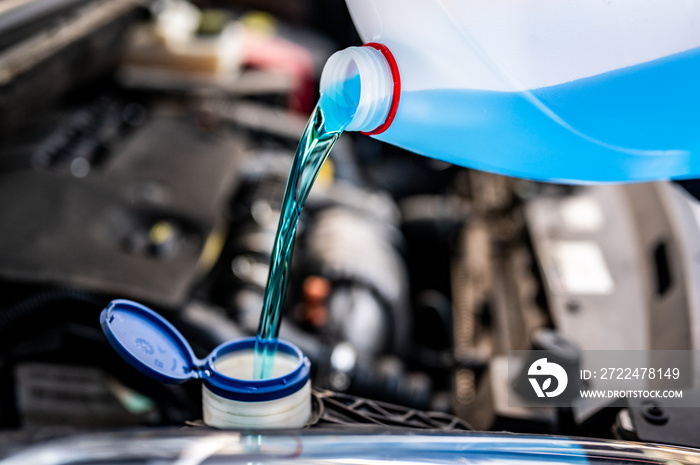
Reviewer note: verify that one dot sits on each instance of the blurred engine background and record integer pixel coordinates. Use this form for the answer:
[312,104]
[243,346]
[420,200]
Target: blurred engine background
[144,150]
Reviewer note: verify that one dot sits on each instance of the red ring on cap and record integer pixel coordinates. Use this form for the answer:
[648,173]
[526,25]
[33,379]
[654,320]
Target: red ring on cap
[397,88]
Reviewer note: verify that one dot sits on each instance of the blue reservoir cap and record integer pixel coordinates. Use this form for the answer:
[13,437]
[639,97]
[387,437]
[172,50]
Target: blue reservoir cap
[148,342]
[258,390]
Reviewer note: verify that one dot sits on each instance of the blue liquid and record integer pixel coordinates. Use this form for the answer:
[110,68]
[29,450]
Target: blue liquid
[340,101]
[317,141]
[635,124]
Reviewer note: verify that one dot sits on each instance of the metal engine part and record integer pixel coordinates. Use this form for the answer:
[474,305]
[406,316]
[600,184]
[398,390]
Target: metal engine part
[126,216]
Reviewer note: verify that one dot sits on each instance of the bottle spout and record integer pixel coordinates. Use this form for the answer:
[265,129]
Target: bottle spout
[358,89]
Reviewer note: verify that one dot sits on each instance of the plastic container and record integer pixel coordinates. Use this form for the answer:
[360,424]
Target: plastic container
[284,401]
[603,90]
[230,397]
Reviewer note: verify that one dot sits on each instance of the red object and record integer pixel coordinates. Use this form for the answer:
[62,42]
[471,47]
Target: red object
[316,290]
[397,88]
[281,55]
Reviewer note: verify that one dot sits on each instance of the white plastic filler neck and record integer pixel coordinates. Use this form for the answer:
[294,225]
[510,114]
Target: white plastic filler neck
[359,79]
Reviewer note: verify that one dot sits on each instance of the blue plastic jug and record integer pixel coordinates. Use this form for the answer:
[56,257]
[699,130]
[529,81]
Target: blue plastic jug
[565,91]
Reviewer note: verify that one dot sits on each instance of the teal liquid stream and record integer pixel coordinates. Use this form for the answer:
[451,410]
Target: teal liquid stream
[316,142]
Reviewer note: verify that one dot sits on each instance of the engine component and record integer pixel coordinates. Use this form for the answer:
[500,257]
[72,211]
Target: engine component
[49,48]
[58,369]
[357,250]
[613,275]
[334,409]
[144,203]
[653,422]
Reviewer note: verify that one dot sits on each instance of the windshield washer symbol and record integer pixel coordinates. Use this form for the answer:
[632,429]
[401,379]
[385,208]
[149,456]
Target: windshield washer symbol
[541,368]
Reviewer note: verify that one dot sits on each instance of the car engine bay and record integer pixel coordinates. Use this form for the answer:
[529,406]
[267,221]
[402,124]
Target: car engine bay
[412,279]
